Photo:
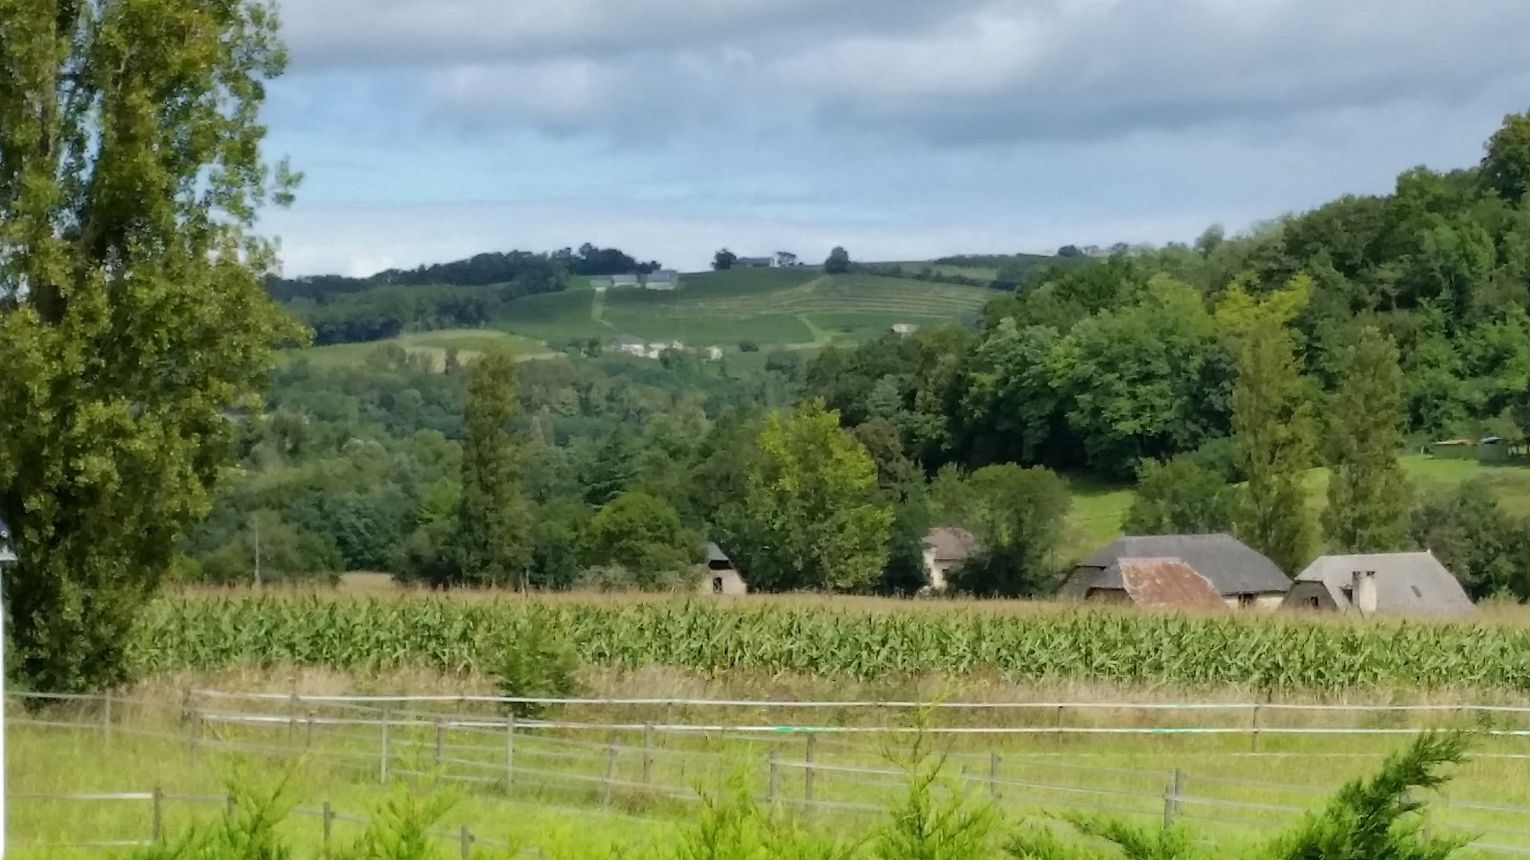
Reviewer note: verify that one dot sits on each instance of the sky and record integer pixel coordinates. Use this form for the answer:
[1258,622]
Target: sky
[429,130]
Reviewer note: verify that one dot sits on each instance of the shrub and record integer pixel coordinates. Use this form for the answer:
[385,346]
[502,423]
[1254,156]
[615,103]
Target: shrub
[535,660]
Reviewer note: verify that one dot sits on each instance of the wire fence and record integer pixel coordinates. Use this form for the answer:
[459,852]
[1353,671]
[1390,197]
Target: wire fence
[810,771]
[156,800]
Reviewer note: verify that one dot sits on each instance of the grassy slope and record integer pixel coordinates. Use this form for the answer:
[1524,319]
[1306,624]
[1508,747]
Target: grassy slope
[469,343]
[773,307]
[1099,508]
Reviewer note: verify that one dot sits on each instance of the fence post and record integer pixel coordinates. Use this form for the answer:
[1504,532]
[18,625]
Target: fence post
[292,708]
[647,754]
[993,775]
[1168,805]
[328,818]
[1180,780]
[1254,740]
[808,774]
[157,823]
[775,785]
[106,721]
[605,799]
[509,751]
[440,743]
[382,761]
[233,805]
[466,840]
[308,741]
[1059,726]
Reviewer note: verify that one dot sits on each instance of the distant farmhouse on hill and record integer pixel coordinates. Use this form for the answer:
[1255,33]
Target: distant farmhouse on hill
[754,263]
[663,280]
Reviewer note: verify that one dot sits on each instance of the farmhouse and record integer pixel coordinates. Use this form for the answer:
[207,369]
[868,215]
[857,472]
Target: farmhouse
[600,283]
[721,576]
[945,548]
[904,329]
[1243,577]
[1158,583]
[629,345]
[754,262]
[663,280]
[624,280]
[1393,583]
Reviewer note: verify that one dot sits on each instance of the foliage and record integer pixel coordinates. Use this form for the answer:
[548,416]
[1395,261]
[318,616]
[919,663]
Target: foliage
[1368,494]
[1272,422]
[643,534]
[1016,515]
[534,660]
[132,322]
[811,516]
[838,262]
[493,524]
[249,832]
[1376,818]
[723,260]
[1486,548]
[935,819]
[1180,497]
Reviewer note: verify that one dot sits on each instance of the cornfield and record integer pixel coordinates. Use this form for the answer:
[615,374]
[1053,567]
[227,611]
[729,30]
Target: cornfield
[1273,654]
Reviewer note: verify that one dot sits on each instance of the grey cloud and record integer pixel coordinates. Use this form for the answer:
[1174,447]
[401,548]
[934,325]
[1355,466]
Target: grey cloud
[947,73]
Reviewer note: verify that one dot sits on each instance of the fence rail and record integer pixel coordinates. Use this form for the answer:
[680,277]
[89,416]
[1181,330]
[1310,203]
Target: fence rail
[814,770]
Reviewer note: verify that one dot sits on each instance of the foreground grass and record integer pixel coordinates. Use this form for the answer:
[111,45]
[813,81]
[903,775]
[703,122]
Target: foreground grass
[573,819]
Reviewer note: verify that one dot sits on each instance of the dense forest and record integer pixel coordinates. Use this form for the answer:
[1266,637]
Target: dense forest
[460,294]
[1213,373]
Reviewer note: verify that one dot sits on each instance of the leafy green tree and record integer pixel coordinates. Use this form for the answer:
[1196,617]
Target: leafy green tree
[1010,409]
[1180,497]
[1272,423]
[559,548]
[724,260]
[1017,516]
[493,524]
[1133,379]
[1486,548]
[643,534]
[811,516]
[838,262]
[132,318]
[1368,493]
[1506,166]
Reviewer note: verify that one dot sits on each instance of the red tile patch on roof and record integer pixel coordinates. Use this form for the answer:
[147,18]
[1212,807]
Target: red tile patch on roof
[1168,583]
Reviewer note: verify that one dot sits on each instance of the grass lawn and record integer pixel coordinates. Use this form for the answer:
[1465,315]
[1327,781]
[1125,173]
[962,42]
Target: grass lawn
[561,803]
[469,343]
[1099,507]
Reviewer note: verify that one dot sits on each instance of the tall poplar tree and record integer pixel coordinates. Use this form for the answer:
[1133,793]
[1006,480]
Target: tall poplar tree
[1368,493]
[1272,423]
[133,321]
[494,541]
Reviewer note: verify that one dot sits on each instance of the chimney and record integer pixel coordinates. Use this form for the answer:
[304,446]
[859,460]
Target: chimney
[1363,594]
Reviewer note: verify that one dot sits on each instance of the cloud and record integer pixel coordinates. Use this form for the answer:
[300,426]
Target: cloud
[952,73]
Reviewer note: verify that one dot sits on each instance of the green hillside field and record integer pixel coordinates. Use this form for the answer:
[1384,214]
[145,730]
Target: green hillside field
[772,307]
[469,343]
[1099,508]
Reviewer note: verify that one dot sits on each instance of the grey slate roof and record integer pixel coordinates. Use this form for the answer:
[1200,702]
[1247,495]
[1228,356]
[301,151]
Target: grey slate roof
[1410,583]
[950,543]
[715,553]
[1232,566]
